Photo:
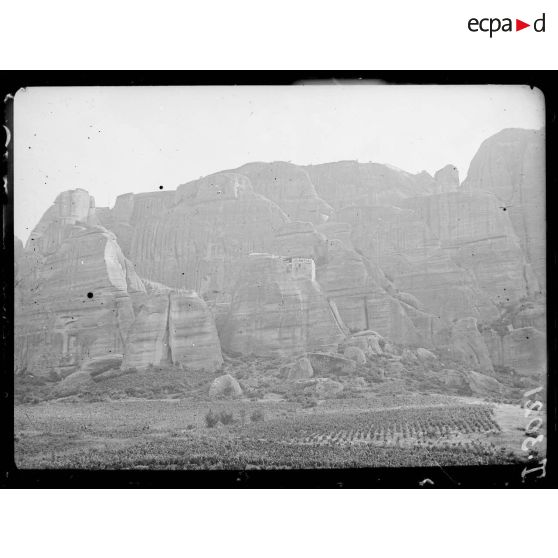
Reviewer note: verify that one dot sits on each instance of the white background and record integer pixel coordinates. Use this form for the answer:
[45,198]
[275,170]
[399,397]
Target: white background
[241,34]
[263,34]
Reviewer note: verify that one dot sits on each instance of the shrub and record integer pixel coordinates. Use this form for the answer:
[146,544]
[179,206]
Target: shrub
[211,419]
[257,415]
[226,417]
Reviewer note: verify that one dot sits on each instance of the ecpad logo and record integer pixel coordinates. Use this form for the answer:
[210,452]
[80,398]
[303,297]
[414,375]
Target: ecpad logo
[493,25]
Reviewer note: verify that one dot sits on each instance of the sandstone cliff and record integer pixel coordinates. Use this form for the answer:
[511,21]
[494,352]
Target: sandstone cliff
[81,299]
[199,242]
[278,308]
[511,165]
[278,259]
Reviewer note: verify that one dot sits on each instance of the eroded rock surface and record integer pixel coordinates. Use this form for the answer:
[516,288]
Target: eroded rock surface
[82,302]
[511,165]
[277,308]
[283,260]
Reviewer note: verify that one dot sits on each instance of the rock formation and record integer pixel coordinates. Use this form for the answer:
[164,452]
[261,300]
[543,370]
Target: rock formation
[523,350]
[478,237]
[82,301]
[463,341]
[447,179]
[278,309]
[511,166]
[349,183]
[275,259]
[290,187]
[200,241]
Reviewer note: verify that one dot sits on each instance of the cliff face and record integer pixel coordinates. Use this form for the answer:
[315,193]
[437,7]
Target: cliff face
[478,237]
[277,259]
[175,327]
[278,308]
[81,300]
[350,183]
[199,242]
[76,302]
[511,166]
[290,187]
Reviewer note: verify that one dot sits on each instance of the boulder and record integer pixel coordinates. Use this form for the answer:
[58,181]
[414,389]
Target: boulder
[453,379]
[356,354]
[225,387]
[101,364]
[368,341]
[471,382]
[481,384]
[327,388]
[300,370]
[326,363]
[425,355]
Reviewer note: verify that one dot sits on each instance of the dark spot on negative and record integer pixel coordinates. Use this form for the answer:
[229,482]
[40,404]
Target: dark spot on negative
[89,295]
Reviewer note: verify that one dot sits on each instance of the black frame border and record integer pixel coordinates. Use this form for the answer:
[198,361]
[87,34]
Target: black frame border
[500,476]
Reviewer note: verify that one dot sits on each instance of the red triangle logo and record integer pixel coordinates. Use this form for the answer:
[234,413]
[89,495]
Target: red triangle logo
[519,25]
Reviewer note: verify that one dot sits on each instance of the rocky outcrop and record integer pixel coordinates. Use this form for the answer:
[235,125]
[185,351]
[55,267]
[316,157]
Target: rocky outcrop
[511,166]
[478,237]
[327,363]
[278,309]
[70,208]
[400,242]
[101,364]
[447,179]
[200,242]
[367,300]
[471,383]
[300,240]
[369,342]
[290,187]
[173,326]
[463,341]
[82,302]
[327,388]
[284,260]
[77,301]
[299,370]
[356,354]
[523,350]
[347,183]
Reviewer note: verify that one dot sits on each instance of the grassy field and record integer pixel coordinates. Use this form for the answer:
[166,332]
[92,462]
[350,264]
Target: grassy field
[172,433]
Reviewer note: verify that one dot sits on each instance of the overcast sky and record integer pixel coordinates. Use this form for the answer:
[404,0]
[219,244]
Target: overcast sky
[113,140]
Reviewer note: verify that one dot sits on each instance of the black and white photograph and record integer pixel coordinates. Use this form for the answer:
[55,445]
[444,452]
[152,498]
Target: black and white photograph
[317,276]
